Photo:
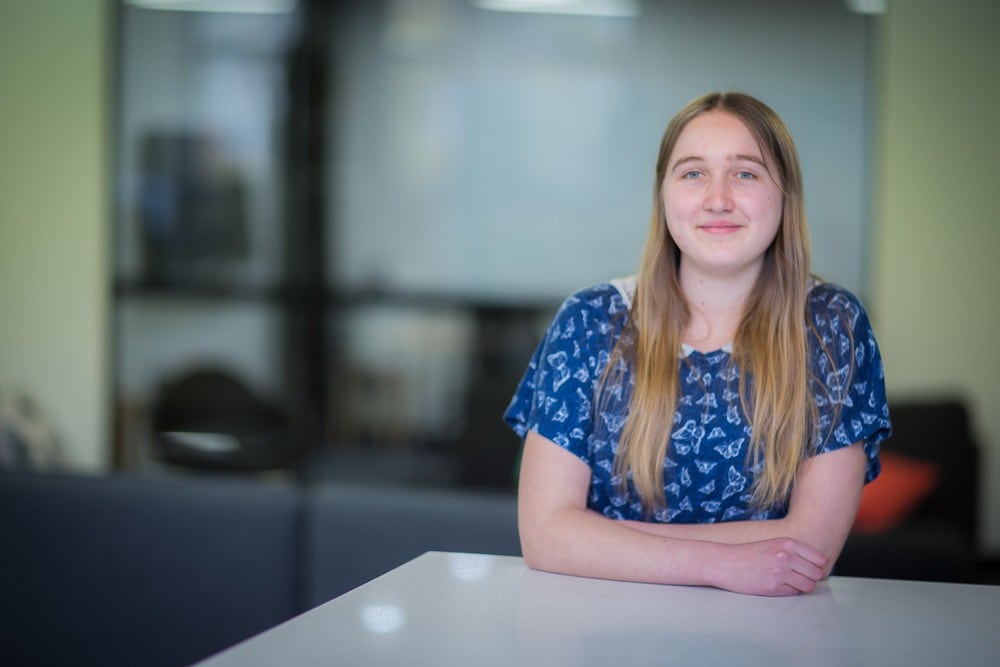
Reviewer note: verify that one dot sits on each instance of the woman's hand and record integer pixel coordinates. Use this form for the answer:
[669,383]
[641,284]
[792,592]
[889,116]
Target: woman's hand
[775,566]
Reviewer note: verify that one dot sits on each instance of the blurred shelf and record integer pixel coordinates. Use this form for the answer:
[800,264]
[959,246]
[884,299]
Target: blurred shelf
[328,297]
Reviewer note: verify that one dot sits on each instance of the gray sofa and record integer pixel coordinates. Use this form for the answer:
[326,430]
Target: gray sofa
[141,570]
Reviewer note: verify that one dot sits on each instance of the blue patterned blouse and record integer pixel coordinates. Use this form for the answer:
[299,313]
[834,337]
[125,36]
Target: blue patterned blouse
[706,476]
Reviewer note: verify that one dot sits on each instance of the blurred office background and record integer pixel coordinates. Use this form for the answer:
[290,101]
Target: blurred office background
[368,211]
[320,240]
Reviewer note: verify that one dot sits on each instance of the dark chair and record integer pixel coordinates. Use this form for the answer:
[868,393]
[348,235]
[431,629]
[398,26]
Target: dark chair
[208,419]
[937,539]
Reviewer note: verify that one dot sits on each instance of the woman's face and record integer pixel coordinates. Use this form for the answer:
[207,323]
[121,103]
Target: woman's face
[722,206]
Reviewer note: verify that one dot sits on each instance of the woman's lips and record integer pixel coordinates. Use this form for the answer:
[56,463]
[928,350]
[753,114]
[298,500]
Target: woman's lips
[719,228]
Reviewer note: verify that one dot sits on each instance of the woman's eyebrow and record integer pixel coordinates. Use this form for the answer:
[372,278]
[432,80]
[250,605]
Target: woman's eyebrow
[685,160]
[749,158]
[739,157]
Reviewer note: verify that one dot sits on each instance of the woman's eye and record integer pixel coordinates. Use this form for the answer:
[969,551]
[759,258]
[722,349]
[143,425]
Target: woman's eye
[691,175]
[746,175]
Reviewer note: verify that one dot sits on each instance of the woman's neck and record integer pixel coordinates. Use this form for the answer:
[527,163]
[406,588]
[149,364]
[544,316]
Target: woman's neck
[716,307]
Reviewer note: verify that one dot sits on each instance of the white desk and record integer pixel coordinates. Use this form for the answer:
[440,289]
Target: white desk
[446,609]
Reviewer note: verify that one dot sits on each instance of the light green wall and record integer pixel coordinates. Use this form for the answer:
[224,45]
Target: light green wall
[935,268]
[53,215]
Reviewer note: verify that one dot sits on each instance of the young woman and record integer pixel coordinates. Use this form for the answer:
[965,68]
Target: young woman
[712,420]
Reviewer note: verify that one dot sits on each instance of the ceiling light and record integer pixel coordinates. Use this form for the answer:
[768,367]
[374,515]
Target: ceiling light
[612,8]
[221,6]
[868,6]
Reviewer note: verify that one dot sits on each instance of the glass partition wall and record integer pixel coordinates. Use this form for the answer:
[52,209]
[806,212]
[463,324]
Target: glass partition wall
[202,289]
[341,228]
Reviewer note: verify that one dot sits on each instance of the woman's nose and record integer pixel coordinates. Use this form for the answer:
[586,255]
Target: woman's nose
[718,196]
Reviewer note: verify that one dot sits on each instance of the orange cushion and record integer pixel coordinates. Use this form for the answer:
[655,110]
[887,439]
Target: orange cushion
[903,483]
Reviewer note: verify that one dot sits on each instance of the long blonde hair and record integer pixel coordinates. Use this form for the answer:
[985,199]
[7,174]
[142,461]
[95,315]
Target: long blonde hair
[770,342]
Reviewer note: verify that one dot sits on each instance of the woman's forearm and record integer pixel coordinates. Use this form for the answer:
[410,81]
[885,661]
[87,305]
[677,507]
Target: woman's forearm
[728,532]
[580,542]
[583,543]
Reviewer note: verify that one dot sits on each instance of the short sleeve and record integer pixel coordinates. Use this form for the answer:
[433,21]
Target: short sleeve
[555,396]
[848,380]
